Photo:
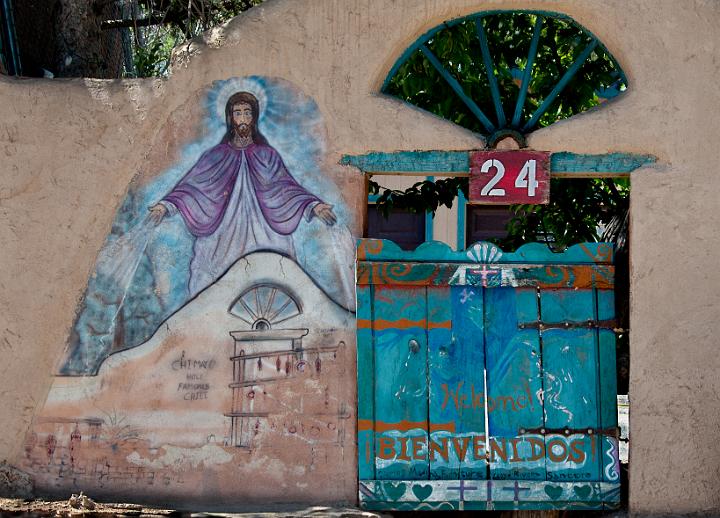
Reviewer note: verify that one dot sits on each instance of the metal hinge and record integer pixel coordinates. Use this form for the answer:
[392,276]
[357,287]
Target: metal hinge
[613,431]
[588,324]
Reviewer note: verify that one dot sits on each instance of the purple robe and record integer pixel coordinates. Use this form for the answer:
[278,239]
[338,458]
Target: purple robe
[236,201]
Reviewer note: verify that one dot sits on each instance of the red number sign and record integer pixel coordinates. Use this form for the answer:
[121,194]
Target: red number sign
[507,177]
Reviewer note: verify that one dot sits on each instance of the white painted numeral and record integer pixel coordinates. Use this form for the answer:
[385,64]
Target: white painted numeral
[488,189]
[526,178]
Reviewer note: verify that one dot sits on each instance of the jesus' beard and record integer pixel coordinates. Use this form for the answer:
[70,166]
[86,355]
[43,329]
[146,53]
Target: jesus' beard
[242,137]
[242,131]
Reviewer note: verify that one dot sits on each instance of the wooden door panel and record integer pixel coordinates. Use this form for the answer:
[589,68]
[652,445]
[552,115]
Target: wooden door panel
[401,388]
[514,384]
[570,381]
[456,365]
[366,383]
[610,454]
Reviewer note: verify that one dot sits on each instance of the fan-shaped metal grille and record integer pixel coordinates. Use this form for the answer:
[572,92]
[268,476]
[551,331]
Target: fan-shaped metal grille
[506,71]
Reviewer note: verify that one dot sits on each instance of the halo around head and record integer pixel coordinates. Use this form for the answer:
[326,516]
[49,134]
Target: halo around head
[222,91]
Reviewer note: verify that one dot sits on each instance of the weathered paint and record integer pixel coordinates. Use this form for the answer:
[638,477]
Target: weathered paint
[478,495]
[400,350]
[487,371]
[440,274]
[410,161]
[454,351]
[457,163]
[611,164]
[484,253]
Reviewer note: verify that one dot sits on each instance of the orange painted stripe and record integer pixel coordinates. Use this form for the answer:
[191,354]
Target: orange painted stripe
[445,324]
[443,427]
[403,323]
[366,425]
[402,426]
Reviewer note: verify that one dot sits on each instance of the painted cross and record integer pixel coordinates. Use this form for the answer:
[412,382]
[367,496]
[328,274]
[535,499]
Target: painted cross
[462,488]
[484,273]
[516,490]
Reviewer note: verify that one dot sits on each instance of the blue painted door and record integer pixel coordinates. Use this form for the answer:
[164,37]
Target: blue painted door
[486,380]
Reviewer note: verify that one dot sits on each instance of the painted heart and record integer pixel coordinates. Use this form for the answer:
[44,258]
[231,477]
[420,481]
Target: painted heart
[394,491]
[422,492]
[554,492]
[582,491]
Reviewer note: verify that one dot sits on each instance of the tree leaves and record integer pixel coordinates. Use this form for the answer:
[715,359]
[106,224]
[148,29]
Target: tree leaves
[425,196]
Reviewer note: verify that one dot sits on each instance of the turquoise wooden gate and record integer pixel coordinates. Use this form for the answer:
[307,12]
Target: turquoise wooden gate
[486,380]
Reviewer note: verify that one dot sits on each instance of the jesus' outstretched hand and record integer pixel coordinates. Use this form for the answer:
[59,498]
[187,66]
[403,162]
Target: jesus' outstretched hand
[157,213]
[325,213]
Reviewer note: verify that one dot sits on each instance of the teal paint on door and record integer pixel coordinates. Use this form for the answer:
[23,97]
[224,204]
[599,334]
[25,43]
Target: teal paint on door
[486,380]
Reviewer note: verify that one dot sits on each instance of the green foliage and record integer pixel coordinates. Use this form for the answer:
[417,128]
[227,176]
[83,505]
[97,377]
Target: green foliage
[587,209]
[174,22]
[425,196]
[153,58]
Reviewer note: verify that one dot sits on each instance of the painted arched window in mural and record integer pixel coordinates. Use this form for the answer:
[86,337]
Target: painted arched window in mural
[265,305]
[498,72]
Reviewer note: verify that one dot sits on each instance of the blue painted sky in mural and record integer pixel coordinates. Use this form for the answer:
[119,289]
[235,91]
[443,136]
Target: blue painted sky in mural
[142,272]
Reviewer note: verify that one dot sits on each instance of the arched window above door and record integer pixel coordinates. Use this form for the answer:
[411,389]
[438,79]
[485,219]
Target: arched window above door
[503,72]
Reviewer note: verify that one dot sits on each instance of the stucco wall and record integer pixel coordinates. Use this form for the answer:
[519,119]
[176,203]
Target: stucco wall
[71,147]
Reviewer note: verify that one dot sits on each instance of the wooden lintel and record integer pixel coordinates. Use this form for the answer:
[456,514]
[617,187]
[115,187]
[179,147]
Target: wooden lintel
[563,164]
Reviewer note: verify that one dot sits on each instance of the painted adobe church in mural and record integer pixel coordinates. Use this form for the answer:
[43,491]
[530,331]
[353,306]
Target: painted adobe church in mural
[210,352]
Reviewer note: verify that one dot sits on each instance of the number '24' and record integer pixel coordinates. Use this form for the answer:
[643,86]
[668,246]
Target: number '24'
[525,178]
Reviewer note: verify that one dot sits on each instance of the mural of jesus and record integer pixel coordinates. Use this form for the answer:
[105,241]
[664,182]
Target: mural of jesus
[239,198]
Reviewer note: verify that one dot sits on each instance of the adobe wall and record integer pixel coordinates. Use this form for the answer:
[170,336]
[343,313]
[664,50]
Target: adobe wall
[72,149]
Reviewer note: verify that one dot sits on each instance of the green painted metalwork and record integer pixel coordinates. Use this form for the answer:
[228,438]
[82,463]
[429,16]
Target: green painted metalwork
[458,163]
[474,108]
[484,390]
[429,230]
[447,24]
[522,94]
[542,18]
[566,78]
[490,71]
[461,220]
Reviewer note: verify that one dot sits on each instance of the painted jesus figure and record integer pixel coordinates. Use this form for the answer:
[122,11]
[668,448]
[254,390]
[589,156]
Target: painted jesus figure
[239,198]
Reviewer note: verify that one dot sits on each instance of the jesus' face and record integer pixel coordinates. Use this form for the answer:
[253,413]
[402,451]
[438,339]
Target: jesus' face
[242,119]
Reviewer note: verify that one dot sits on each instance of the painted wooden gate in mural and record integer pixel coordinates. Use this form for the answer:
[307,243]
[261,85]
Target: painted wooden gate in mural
[486,379]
